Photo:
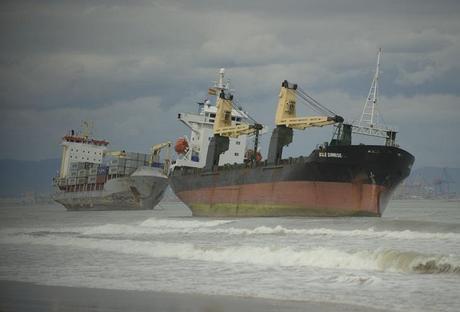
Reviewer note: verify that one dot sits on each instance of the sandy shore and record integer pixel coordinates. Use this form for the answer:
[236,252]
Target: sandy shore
[19,296]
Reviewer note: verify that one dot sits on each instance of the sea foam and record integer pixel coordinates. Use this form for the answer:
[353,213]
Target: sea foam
[182,224]
[155,226]
[371,260]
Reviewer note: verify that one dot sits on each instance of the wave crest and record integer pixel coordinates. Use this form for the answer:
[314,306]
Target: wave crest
[417,262]
[163,226]
[376,260]
[182,224]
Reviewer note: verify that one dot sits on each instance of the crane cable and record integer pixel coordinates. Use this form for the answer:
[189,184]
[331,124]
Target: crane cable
[243,112]
[308,100]
[314,104]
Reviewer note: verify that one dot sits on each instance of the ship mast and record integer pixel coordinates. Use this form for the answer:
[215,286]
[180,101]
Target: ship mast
[369,106]
[221,85]
[87,127]
[369,124]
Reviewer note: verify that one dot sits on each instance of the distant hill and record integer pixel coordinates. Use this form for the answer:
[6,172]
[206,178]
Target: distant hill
[21,176]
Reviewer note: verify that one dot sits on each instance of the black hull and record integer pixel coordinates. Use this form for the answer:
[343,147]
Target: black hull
[337,181]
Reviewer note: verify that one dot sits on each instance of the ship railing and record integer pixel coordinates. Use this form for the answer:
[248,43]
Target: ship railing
[83,187]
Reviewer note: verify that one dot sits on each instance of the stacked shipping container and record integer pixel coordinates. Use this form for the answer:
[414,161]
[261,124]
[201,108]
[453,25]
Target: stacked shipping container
[94,176]
[128,164]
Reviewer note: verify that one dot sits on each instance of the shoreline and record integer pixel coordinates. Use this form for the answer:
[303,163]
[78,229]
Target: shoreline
[26,296]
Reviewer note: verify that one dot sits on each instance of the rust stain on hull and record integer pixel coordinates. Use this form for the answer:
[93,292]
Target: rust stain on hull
[288,198]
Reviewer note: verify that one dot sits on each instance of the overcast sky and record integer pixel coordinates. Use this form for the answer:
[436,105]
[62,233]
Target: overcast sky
[131,66]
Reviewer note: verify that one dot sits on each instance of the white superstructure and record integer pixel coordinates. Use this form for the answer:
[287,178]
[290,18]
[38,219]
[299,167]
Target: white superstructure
[80,149]
[201,126]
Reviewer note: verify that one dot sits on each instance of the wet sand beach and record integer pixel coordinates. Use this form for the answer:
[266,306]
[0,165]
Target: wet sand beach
[20,296]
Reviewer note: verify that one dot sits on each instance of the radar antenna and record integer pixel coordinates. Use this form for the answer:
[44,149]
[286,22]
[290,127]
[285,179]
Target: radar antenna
[87,127]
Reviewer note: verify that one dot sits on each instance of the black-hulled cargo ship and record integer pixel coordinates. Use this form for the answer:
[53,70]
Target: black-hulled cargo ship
[336,179]
[331,181]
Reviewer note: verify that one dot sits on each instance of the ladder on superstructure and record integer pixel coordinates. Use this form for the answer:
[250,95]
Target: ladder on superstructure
[370,123]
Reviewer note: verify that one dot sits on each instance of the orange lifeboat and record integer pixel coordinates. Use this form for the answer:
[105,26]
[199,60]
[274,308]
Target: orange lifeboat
[181,146]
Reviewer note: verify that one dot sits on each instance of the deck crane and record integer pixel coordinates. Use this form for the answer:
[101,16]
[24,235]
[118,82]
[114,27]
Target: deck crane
[155,155]
[223,122]
[224,129]
[286,118]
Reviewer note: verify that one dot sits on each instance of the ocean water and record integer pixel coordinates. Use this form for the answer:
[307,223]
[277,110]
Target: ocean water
[408,260]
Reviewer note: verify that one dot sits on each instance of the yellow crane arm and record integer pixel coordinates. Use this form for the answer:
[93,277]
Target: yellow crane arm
[235,131]
[302,123]
[223,122]
[158,147]
[286,111]
[155,155]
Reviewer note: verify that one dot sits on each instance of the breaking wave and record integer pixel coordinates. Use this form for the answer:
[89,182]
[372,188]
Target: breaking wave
[210,227]
[165,226]
[406,234]
[149,226]
[376,260]
[182,224]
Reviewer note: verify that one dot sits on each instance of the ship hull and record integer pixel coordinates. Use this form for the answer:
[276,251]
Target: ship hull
[143,190]
[356,180]
[296,198]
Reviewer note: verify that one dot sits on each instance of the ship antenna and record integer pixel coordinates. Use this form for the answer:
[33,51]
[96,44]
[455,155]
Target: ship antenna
[87,127]
[369,110]
[220,84]
[221,78]
[369,123]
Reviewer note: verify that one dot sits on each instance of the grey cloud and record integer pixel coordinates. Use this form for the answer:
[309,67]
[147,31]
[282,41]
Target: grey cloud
[85,59]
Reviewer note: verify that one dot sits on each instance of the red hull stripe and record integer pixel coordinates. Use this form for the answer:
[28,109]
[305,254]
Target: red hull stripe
[332,197]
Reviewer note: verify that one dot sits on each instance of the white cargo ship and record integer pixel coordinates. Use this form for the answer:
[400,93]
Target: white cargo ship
[93,178]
